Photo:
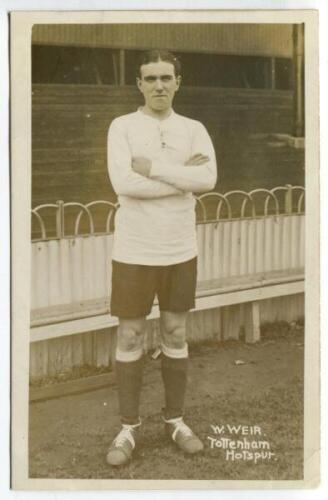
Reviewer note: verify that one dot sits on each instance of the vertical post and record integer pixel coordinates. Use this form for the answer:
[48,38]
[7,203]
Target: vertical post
[60,229]
[289,199]
[272,73]
[252,322]
[115,67]
[122,67]
[218,332]
[298,60]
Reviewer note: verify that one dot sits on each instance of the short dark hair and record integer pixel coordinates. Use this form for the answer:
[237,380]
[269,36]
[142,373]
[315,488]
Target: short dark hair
[156,55]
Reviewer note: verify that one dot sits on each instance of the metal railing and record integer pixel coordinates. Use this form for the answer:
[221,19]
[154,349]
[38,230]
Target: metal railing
[209,207]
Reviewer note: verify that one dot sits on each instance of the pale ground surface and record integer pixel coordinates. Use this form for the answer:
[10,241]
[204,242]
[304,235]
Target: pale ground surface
[69,436]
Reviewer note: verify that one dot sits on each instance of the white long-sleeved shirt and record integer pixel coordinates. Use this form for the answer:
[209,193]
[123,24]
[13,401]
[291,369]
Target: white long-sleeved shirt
[155,223]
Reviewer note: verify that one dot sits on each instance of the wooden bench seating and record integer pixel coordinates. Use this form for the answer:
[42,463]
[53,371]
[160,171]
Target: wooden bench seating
[91,315]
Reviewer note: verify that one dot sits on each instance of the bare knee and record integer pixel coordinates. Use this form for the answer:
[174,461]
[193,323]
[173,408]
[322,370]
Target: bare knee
[130,334]
[173,329]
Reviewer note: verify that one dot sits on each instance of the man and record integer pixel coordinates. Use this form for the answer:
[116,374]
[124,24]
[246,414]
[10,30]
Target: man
[156,160]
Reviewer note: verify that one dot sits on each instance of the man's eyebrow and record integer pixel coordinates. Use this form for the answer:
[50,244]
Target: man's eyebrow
[159,76]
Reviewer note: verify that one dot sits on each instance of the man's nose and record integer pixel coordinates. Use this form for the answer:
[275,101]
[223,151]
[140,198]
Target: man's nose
[158,84]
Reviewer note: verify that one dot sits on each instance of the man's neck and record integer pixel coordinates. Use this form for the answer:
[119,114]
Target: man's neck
[159,115]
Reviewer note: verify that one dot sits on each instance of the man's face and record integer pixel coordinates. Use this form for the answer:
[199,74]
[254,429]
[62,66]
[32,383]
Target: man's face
[158,84]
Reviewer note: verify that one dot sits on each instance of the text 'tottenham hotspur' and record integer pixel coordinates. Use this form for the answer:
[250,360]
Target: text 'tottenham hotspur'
[241,443]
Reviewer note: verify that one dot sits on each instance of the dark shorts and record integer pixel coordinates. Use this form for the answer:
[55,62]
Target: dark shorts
[134,288]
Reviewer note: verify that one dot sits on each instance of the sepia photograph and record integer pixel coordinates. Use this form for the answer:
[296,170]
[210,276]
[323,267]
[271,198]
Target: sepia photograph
[165,204]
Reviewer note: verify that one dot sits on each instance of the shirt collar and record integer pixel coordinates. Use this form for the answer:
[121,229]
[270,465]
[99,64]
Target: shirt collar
[165,120]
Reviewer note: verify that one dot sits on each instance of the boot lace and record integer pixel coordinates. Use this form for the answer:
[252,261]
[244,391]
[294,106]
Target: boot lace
[126,434]
[180,426]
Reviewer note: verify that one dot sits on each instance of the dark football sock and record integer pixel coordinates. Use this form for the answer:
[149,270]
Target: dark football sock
[174,374]
[129,380]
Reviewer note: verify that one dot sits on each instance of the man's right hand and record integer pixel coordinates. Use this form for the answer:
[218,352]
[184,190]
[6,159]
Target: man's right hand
[196,159]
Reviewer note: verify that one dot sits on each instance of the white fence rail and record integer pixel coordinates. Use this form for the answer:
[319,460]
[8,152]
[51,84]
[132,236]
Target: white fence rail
[251,252]
[59,220]
[79,268]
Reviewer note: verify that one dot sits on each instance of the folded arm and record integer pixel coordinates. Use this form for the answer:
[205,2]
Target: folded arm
[190,177]
[124,180]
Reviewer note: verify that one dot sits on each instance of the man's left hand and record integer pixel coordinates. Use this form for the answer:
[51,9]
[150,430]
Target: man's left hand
[141,165]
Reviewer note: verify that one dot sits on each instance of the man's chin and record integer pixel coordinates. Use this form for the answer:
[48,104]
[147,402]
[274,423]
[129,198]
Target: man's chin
[161,108]
[160,102]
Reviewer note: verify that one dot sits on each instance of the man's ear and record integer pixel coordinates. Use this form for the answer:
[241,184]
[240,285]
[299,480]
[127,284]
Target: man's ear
[138,83]
[178,81]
